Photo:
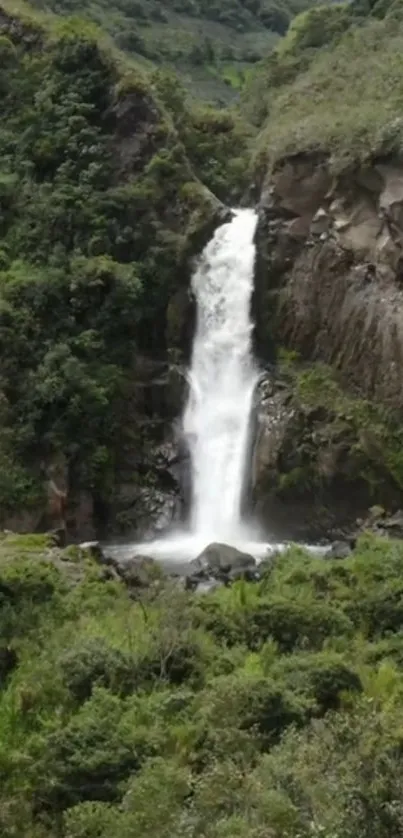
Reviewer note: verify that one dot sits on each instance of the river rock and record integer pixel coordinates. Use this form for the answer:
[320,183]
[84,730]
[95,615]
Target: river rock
[381,523]
[393,525]
[139,571]
[221,561]
[93,550]
[339,550]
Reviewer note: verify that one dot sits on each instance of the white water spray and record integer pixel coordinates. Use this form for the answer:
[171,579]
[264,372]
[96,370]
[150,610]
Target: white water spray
[222,381]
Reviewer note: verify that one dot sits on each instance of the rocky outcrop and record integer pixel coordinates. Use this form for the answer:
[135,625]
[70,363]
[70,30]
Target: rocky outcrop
[217,564]
[222,563]
[329,288]
[330,270]
[151,470]
[320,459]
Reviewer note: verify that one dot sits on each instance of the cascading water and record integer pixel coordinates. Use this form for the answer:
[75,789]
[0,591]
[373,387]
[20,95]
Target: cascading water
[222,381]
[216,420]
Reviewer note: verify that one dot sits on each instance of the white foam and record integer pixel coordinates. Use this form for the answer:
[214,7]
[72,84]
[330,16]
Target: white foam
[222,381]
[179,548]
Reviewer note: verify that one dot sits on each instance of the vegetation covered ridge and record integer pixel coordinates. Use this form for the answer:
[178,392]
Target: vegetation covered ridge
[333,84]
[105,179]
[211,44]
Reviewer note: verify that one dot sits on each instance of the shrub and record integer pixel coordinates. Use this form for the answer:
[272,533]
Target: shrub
[87,758]
[253,704]
[96,663]
[324,676]
[294,625]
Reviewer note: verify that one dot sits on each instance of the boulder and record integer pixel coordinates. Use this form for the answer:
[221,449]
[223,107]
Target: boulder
[139,571]
[93,550]
[393,525]
[379,522]
[339,550]
[221,561]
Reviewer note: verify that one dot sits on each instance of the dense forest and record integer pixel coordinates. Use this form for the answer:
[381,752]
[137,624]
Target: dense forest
[101,197]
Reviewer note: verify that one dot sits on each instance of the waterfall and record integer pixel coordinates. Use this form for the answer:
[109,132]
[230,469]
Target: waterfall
[222,380]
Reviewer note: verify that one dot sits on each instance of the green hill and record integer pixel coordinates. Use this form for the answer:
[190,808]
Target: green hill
[102,202]
[334,84]
[212,44]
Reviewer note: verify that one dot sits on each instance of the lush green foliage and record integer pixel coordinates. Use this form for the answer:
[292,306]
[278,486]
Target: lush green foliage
[216,141]
[362,440]
[211,43]
[334,83]
[271,708]
[98,210]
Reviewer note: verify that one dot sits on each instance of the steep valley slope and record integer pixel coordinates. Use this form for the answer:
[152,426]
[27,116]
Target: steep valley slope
[101,210]
[211,44]
[271,706]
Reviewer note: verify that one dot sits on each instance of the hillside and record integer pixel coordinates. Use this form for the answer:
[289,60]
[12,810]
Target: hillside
[259,702]
[210,43]
[327,174]
[334,84]
[102,206]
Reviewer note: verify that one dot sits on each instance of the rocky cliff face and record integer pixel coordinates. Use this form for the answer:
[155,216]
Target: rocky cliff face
[330,269]
[329,288]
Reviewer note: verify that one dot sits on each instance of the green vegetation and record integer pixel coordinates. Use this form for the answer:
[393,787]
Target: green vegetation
[211,43]
[340,436]
[101,205]
[270,708]
[333,84]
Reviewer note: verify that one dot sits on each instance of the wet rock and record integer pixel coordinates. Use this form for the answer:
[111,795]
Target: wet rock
[339,550]
[393,525]
[320,223]
[139,571]
[208,586]
[159,512]
[223,562]
[93,550]
[380,523]
[58,537]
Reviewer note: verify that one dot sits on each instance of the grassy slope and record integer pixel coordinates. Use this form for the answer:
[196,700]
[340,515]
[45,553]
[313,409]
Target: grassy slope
[344,98]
